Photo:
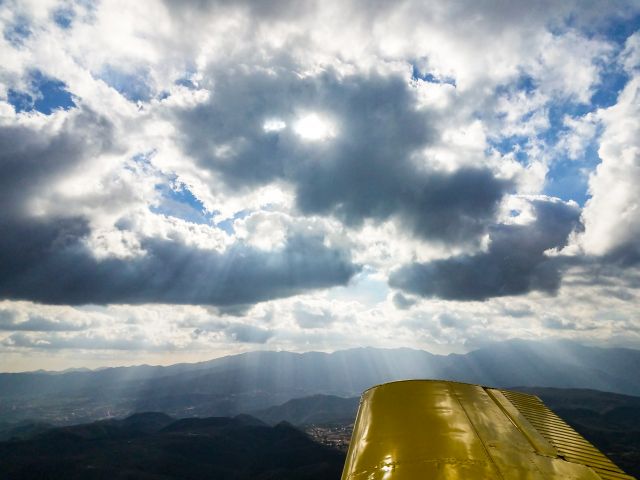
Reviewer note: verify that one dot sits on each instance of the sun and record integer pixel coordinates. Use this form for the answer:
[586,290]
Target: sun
[312,127]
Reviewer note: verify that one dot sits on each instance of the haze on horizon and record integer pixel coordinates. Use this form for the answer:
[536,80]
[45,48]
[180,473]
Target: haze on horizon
[185,180]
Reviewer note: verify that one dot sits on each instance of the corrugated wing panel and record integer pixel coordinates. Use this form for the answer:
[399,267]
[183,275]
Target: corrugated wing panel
[570,444]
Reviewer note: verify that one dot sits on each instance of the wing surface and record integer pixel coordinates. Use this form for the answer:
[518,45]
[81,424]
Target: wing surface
[431,429]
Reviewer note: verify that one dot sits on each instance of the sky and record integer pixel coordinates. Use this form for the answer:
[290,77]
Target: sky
[185,180]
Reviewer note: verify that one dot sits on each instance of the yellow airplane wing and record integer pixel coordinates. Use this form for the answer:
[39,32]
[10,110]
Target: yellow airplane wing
[429,429]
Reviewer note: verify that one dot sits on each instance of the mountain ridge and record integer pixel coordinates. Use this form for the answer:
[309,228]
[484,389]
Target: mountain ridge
[256,380]
[155,446]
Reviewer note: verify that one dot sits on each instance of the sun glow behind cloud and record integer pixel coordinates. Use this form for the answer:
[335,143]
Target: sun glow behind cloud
[273,125]
[313,127]
[223,176]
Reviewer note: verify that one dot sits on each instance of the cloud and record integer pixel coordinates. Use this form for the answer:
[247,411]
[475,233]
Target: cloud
[47,262]
[514,264]
[227,330]
[555,323]
[403,302]
[370,168]
[612,215]
[243,333]
[260,11]
[630,56]
[47,249]
[518,311]
[474,43]
[83,342]
[10,321]
[448,320]
[248,156]
[35,153]
[312,318]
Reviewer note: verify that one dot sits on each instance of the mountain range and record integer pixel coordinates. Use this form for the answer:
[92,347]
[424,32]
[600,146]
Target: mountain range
[253,381]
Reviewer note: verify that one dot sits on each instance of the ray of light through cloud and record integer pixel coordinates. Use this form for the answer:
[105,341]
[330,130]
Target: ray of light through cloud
[186,180]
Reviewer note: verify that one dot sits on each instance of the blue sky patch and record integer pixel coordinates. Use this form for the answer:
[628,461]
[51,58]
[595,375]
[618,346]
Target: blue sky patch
[133,86]
[613,80]
[45,95]
[557,111]
[524,83]
[185,82]
[618,29]
[179,202]
[21,101]
[429,77]
[227,225]
[515,144]
[569,179]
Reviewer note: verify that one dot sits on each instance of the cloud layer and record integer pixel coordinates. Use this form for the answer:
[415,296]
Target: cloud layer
[516,261]
[301,174]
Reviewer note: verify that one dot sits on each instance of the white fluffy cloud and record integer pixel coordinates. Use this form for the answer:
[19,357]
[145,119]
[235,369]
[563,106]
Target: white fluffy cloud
[612,215]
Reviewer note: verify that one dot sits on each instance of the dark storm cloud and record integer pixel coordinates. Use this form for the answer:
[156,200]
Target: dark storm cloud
[46,259]
[31,158]
[369,170]
[47,262]
[625,255]
[514,264]
[617,279]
